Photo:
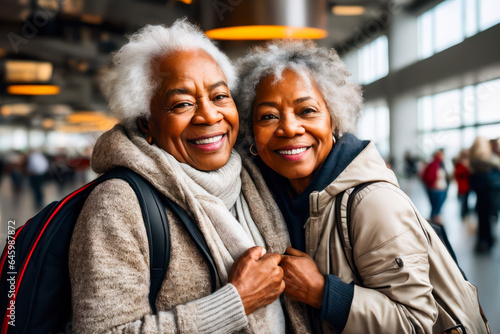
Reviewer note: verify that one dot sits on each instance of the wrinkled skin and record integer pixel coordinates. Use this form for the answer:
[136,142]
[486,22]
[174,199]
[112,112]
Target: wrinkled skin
[304,282]
[258,278]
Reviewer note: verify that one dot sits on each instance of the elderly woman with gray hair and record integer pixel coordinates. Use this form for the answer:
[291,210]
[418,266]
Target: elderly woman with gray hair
[376,268]
[171,89]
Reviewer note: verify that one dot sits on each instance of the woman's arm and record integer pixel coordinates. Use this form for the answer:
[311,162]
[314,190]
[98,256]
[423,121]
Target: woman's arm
[109,270]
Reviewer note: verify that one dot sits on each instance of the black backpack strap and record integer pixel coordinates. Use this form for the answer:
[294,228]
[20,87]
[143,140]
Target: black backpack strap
[156,223]
[197,237]
[338,217]
[153,205]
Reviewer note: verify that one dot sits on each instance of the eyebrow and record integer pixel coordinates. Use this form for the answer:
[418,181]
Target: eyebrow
[181,91]
[268,104]
[274,104]
[217,84]
[302,99]
[176,91]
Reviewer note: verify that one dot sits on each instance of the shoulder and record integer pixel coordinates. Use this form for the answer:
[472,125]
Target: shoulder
[382,212]
[110,208]
[382,199]
[112,195]
[110,221]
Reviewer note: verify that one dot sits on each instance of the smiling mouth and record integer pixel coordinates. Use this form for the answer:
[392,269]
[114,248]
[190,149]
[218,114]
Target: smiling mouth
[206,141]
[295,151]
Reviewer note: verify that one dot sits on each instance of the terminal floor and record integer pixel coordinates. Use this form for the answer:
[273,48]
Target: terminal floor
[482,270]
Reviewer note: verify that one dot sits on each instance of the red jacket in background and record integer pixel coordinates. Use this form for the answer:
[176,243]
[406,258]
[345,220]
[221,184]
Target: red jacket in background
[462,175]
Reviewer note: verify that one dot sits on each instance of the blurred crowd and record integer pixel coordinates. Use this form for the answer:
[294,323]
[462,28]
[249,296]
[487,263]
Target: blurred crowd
[475,169]
[33,170]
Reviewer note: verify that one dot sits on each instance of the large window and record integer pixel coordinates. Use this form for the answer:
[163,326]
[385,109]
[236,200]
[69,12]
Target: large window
[453,119]
[373,61]
[374,125]
[450,22]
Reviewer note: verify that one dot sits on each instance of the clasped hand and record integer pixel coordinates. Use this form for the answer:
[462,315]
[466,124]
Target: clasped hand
[260,278]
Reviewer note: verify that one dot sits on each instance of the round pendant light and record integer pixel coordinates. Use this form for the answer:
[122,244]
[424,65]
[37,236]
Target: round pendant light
[263,19]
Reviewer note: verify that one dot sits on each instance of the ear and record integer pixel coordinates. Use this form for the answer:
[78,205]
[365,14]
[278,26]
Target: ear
[143,125]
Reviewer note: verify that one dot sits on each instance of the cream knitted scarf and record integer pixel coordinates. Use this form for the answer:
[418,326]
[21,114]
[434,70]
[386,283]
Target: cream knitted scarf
[228,222]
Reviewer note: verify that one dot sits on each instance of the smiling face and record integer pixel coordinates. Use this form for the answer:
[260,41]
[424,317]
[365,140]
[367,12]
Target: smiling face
[292,127]
[193,116]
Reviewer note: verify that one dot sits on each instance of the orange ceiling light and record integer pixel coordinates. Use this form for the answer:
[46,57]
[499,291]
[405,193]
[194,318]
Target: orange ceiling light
[92,19]
[262,32]
[33,90]
[17,109]
[86,120]
[348,10]
[264,19]
[27,71]
[85,117]
[48,123]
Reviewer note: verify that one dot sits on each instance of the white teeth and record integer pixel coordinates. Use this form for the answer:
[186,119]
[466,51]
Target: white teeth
[208,140]
[292,152]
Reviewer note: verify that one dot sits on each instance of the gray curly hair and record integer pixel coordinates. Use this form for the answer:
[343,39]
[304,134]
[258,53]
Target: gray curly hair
[324,67]
[131,82]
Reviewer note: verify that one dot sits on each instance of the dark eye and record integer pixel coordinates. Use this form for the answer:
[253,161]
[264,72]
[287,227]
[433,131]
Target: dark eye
[308,111]
[268,117]
[182,107]
[220,97]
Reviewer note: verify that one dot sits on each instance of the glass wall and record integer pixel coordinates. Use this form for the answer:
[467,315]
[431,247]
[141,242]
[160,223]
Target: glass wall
[453,119]
[373,61]
[374,125]
[450,22]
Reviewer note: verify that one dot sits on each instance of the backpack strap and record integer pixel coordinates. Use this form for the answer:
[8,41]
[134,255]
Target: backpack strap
[153,205]
[156,223]
[346,234]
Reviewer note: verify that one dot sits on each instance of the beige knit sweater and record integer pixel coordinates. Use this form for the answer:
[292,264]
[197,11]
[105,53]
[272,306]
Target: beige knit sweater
[109,254]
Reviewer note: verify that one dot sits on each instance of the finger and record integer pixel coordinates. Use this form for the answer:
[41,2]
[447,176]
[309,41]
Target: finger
[295,252]
[281,273]
[282,286]
[274,257]
[256,252]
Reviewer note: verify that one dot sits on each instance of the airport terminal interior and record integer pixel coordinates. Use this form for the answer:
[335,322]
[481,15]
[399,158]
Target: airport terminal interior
[429,71]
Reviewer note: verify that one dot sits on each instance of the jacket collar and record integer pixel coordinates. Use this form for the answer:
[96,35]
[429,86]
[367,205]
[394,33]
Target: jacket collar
[366,167]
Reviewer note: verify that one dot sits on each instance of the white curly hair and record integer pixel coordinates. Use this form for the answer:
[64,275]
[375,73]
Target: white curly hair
[324,67]
[131,82]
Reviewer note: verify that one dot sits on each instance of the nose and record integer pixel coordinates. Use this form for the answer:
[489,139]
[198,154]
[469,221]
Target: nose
[206,113]
[290,126]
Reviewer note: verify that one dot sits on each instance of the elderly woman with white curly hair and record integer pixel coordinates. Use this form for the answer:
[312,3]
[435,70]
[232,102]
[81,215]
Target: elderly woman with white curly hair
[171,89]
[368,269]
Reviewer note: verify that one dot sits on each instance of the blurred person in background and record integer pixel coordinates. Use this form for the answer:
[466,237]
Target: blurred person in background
[436,182]
[61,172]
[483,164]
[410,162]
[37,166]
[495,179]
[80,164]
[16,163]
[462,176]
